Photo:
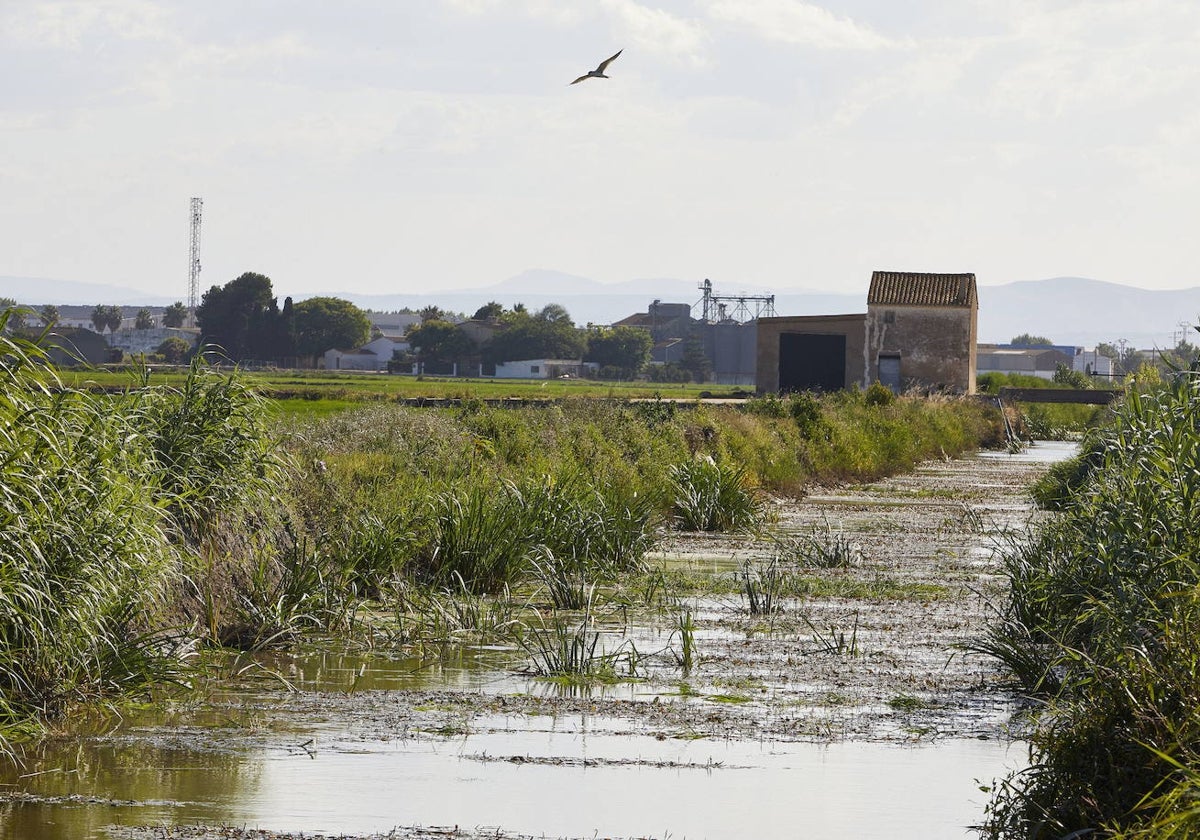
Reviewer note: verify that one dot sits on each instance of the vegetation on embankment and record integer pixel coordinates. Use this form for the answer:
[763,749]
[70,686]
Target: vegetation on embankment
[1047,421]
[140,525]
[1103,632]
[107,504]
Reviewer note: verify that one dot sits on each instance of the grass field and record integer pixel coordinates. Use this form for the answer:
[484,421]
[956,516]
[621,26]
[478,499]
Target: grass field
[321,392]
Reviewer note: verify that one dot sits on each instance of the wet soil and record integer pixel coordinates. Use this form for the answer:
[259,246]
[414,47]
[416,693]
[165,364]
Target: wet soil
[868,651]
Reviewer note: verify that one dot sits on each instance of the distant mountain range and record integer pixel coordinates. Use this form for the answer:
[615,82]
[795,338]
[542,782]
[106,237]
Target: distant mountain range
[1067,310]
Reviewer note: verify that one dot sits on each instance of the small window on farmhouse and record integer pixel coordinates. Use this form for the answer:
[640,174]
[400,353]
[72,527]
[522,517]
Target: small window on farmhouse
[889,316]
[535,368]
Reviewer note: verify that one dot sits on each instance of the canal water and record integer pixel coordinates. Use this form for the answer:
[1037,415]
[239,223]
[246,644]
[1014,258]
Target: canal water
[565,775]
[529,776]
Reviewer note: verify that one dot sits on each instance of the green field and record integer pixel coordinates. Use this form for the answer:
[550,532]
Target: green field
[319,392]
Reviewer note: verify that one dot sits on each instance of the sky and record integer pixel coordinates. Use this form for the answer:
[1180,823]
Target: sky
[404,146]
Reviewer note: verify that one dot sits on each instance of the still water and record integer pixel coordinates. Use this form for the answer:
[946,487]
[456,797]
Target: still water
[537,775]
[593,784]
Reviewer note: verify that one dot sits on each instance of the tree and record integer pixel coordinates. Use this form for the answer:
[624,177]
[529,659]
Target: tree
[174,315]
[491,309]
[19,319]
[107,318]
[555,313]
[1064,375]
[1032,340]
[231,317]
[536,337]
[174,350]
[433,313]
[624,348]
[283,341]
[439,342]
[49,315]
[143,320]
[324,323]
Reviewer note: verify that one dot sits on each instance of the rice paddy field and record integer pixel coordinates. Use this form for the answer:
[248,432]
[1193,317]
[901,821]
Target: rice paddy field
[323,392]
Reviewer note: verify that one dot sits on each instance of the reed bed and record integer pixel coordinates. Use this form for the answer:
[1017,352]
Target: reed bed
[135,526]
[106,503]
[1103,632]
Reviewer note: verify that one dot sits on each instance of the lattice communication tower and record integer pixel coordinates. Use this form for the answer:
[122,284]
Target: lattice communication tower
[194,261]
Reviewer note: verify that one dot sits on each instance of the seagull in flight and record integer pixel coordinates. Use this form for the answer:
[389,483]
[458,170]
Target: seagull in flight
[598,73]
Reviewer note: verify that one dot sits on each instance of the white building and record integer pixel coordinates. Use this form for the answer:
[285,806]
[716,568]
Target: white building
[374,355]
[1092,363]
[393,324]
[544,369]
[136,342]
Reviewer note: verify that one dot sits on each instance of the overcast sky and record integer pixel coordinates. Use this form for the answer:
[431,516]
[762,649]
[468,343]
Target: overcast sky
[390,146]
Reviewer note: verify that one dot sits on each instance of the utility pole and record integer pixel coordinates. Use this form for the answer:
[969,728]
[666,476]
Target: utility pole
[194,261]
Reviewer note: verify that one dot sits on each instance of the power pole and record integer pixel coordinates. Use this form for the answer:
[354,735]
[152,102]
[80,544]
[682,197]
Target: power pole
[194,261]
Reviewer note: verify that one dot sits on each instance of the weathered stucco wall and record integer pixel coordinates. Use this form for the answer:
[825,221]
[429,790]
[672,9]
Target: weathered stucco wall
[935,344]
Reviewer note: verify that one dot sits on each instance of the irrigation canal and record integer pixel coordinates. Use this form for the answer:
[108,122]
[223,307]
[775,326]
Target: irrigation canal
[772,735]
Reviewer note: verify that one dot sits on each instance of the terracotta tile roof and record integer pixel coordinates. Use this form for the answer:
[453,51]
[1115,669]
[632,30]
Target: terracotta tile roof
[908,288]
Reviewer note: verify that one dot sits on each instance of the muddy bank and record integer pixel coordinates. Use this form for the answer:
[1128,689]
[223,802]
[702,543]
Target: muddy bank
[866,654]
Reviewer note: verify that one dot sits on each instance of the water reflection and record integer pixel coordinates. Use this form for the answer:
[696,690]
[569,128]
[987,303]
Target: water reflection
[525,782]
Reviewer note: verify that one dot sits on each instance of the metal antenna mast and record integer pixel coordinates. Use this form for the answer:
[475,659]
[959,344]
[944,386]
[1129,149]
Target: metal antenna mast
[194,262]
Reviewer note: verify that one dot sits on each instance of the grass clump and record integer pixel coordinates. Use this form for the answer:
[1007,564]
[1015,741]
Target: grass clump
[572,652]
[822,548]
[714,497]
[762,586]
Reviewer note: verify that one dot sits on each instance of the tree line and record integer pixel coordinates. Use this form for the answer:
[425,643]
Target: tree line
[244,321]
[620,352]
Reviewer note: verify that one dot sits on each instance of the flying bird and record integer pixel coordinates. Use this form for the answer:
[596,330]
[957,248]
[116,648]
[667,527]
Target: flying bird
[598,73]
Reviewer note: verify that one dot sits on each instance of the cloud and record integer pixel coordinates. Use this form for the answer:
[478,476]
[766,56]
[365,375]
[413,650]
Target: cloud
[1055,62]
[653,30]
[798,23]
[550,11]
[71,25]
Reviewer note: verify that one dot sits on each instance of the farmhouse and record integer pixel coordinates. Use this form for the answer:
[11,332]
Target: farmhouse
[919,331]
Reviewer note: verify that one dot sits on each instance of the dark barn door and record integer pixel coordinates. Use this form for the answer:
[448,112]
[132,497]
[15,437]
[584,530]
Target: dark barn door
[812,362]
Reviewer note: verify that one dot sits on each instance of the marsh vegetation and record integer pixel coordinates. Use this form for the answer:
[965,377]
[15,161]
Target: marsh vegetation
[1100,631]
[150,529]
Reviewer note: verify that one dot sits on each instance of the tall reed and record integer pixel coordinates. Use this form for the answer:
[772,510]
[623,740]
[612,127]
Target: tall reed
[83,553]
[1103,629]
[714,497]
